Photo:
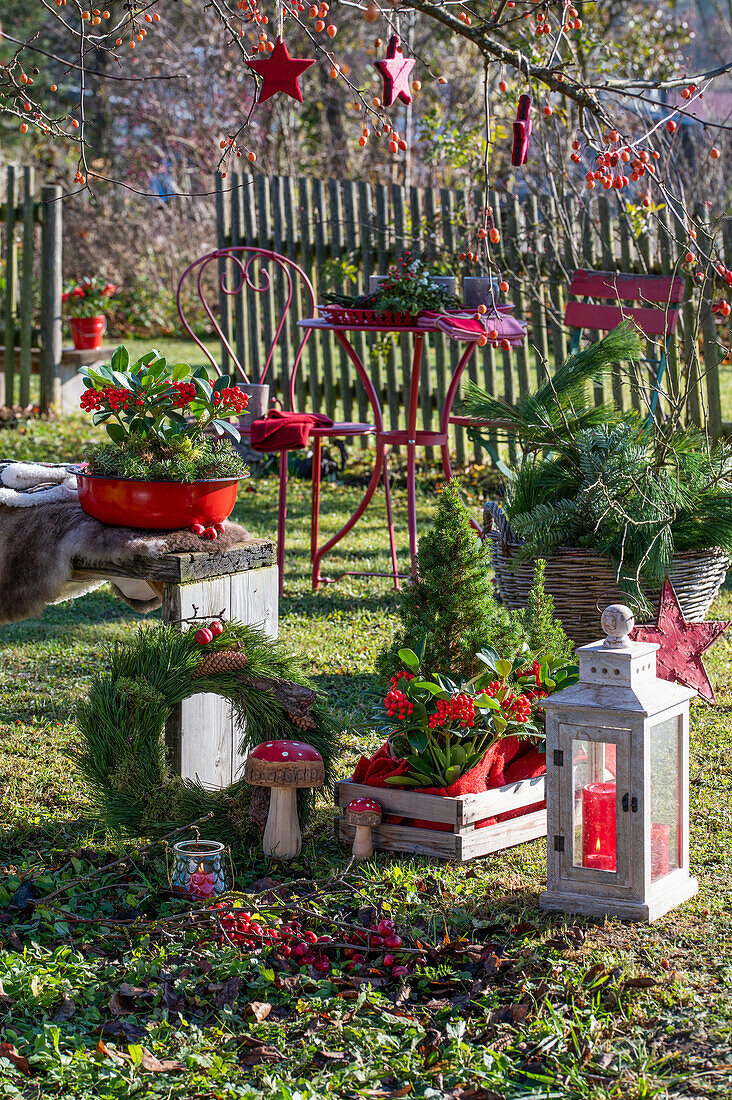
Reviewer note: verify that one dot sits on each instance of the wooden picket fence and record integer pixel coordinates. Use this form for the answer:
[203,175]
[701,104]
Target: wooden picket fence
[31,246]
[342,231]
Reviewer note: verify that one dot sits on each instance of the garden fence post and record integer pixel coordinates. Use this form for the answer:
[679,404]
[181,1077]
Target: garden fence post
[222,240]
[11,282]
[238,337]
[26,289]
[711,354]
[51,289]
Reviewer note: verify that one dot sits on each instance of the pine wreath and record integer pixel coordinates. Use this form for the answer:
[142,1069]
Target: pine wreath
[122,724]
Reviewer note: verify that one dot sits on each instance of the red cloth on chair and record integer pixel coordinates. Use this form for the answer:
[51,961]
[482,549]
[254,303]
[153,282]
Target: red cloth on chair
[285,431]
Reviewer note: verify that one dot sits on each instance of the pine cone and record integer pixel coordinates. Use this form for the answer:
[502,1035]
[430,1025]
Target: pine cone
[226,660]
[302,721]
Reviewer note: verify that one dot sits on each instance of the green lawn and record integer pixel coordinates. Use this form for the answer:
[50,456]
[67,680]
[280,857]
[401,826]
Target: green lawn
[548,1007]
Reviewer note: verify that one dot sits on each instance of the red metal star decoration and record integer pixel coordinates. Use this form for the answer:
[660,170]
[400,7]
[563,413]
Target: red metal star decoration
[395,70]
[682,644]
[279,72]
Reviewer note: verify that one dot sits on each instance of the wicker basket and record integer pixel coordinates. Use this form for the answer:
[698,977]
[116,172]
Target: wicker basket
[582,582]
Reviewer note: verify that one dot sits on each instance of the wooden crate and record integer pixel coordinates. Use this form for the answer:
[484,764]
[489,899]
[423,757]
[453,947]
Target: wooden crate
[465,841]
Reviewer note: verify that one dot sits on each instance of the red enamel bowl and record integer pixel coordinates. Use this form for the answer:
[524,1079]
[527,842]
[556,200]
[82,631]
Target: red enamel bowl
[156,505]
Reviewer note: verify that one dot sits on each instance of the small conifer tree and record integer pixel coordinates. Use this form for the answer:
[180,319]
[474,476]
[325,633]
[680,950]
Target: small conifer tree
[544,634]
[451,608]
[451,603]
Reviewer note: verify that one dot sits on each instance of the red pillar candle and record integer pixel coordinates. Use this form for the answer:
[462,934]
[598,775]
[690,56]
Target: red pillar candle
[660,848]
[202,883]
[599,847]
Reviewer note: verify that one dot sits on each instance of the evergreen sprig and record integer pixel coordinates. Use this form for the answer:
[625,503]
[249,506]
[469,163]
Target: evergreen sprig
[595,477]
[563,404]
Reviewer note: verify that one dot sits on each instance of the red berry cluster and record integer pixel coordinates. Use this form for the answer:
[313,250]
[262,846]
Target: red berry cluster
[397,704]
[401,676]
[518,707]
[233,398]
[458,711]
[534,669]
[211,533]
[207,633]
[186,393]
[493,688]
[610,165]
[532,695]
[306,948]
[92,400]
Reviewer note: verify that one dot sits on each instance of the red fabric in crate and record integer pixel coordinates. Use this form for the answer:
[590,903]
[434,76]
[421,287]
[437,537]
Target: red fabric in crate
[528,766]
[373,770]
[508,760]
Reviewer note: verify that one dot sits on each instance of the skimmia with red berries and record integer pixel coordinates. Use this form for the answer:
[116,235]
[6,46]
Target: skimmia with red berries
[443,727]
[164,423]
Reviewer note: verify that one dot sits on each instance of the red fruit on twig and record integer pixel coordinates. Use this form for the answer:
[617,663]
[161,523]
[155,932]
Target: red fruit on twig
[203,636]
[216,628]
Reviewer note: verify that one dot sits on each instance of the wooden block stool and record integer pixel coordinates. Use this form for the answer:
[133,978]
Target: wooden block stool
[201,735]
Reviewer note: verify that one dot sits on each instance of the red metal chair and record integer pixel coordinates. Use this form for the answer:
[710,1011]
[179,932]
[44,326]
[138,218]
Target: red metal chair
[242,272]
[657,315]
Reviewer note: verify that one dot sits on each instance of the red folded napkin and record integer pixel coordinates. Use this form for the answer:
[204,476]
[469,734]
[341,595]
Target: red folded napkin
[463,327]
[285,431]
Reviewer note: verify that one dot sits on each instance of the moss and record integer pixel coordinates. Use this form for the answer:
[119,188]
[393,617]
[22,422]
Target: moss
[164,804]
[182,459]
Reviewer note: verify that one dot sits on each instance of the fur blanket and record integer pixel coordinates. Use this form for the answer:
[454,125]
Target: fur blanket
[38,546]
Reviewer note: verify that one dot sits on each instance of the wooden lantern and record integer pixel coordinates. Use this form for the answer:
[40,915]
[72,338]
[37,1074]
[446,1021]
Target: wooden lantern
[618,783]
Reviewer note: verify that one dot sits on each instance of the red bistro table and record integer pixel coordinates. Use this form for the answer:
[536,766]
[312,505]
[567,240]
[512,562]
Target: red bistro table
[409,437]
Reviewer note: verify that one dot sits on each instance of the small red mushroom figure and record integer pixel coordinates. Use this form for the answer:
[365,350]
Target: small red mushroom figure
[365,814]
[283,766]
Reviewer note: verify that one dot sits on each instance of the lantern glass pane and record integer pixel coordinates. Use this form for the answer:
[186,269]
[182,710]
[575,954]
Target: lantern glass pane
[665,797]
[594,805]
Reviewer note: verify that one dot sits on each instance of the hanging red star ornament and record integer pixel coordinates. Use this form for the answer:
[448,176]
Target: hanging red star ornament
[395,70]
[682,644]
[279,72]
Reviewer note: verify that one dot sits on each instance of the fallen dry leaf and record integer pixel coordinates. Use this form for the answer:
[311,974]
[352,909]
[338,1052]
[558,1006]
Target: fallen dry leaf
[123,1029]
[65,1010]
[119,1005]
[643,982]
[228,993]
[7,1050]
[156,1065]
[260,1010]
[253,1051]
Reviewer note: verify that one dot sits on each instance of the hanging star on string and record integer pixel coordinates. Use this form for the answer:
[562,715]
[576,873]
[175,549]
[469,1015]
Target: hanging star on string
[682,644]
[279,72]
[395,70]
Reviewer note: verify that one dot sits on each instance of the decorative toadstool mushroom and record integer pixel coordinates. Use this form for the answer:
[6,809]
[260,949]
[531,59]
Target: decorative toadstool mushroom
[365,814]
[283,766]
